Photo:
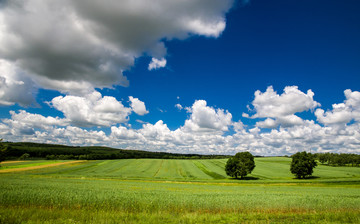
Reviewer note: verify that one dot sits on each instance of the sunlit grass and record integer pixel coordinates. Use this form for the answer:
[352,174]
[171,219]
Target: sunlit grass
[22,164]
[173,191]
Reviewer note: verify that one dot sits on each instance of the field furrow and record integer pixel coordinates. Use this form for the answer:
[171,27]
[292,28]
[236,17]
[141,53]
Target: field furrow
[39,166]
[178,191]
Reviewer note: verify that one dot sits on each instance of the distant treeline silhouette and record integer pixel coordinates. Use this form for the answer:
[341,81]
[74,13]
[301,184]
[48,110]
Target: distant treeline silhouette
[334,159]
[62,152]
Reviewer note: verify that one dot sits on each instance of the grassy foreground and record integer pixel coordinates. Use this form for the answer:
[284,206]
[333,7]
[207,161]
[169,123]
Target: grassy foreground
[177,191]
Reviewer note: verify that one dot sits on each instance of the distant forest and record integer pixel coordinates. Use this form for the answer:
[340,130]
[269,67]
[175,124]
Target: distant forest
[26,150]
[342,159]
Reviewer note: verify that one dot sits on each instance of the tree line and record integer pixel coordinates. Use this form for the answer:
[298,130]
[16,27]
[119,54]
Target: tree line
[335,159]
[27,150]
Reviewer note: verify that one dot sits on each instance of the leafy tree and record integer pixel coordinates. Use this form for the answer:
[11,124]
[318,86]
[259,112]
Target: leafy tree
[302,164]
[25,156]
[240,165]
[323,157]
[3,148]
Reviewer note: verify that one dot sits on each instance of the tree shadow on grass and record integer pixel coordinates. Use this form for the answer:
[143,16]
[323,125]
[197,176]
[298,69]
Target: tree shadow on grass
[246,178]
[306,178]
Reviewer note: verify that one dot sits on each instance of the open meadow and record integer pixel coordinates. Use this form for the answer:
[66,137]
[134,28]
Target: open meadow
[174,191]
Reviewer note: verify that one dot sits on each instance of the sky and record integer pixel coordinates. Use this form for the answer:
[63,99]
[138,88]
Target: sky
[200,76]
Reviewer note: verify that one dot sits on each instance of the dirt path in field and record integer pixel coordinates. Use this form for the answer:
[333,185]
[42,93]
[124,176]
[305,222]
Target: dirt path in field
[39,167]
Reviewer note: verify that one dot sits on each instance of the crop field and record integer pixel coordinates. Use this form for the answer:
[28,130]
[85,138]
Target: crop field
[175,191]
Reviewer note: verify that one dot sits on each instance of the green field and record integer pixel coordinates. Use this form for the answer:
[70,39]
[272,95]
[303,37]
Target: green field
[177,191]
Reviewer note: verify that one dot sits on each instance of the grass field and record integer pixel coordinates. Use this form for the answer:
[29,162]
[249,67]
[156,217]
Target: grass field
[176,191]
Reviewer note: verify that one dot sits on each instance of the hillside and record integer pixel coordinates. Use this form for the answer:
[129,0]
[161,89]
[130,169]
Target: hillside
[51,151]
[267,170]
[174,191]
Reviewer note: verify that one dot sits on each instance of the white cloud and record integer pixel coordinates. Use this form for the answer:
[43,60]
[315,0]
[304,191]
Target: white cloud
[339,115]
[270,104]
[4,130]
[204,118]
[285,121]
[342,113]
[124,133]
[65,44]
[15,87]
[178,106]
[268,123]
[290,120]
[281,109]
[92,110]
[205,131]
[37,120]
[24,123]
[200,27]
[138,106]
[156,64]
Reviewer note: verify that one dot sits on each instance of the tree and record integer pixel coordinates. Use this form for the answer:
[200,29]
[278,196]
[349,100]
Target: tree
[24,156]
[240,165]
[302,164]
[323,158]
[3,148]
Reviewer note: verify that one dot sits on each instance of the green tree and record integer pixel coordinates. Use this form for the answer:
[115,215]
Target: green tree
[240,165]
[302,164]
[3,148]
[323,158]
[25,156]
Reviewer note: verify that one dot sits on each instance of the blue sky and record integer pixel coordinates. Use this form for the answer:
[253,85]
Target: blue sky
[269,77]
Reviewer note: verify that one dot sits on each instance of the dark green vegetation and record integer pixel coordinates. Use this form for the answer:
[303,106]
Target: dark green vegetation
[3,149]
[334,159]
[302,164]
[176,191]
[62,152]
[240,165]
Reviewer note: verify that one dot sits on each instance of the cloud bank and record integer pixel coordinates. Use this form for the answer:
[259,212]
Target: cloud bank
[75,45]
[207,129]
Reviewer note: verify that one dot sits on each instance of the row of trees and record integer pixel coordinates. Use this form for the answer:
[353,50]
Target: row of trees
[94,156]
[243,163]
[63,152]
[334,159]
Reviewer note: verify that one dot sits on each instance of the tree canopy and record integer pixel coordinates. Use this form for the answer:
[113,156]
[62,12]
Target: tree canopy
[302,164]
[2,150]
[240,165]
[342,159]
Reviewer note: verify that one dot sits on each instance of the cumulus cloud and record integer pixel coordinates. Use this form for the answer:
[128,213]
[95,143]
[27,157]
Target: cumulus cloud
[280,109]
[37,120]
[339,115]
[92,109]
[65,44]
[271,104]
[124,133]
[15,87]
[26,124]
[156,64]
[285,121]
[204,118]
[138,106]
[206,130]
[268,123]
[342,113]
